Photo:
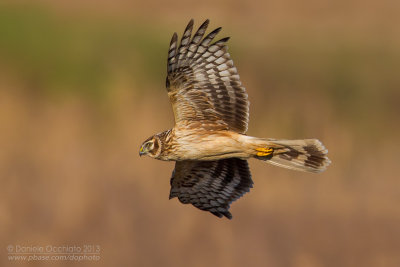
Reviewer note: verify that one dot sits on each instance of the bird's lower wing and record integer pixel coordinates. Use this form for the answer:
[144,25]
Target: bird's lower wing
[211,185]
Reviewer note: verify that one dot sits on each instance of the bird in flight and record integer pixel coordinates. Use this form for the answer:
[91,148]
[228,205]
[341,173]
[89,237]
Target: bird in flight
[208,141]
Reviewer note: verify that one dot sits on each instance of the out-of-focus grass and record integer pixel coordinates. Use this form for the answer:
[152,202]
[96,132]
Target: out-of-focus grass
[355,76]
[80,55]
[54,54]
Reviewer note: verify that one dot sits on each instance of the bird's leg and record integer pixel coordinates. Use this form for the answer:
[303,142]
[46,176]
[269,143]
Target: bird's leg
[264,151]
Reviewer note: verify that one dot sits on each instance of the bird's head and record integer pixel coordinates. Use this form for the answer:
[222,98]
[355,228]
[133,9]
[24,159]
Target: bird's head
[151,147]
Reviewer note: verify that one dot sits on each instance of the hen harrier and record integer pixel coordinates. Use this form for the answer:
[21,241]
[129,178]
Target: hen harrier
[208,142]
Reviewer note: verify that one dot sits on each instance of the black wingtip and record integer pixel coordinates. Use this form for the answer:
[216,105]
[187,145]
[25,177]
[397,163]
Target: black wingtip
[206,22]
[223,40]
[190,24]
[216,31]
[219,214]
[228,215]
[174,38]
[172,195]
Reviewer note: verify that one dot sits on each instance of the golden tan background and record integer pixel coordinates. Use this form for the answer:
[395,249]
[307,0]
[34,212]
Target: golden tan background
[82,85]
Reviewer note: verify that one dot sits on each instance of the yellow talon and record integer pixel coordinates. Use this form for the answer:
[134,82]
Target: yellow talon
[264,151]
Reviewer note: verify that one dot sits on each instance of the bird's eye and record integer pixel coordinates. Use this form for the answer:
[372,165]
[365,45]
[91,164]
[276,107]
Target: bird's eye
[149,145]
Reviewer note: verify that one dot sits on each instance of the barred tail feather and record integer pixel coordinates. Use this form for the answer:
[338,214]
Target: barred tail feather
[308,155]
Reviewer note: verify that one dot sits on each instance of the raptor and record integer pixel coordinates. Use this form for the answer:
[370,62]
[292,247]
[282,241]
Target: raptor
[208,141]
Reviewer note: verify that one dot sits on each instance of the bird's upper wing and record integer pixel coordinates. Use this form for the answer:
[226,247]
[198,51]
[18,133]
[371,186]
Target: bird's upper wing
[203,84]
[211,185]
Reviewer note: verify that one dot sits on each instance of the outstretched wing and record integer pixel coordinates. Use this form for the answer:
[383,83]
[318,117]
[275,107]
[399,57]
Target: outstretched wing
[211,185]
[203,84]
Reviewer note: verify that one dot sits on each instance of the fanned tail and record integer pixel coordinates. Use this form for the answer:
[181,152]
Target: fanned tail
[308,155]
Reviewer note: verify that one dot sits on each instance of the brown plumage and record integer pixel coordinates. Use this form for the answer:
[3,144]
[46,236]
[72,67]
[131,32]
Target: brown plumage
[208,140]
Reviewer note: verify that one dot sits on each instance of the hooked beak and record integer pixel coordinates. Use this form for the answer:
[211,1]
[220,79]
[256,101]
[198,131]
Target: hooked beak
[141,152]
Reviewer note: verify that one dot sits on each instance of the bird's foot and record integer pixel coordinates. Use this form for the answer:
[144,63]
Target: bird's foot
[264,151]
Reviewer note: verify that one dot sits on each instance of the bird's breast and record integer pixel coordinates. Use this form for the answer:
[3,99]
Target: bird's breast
[199,145]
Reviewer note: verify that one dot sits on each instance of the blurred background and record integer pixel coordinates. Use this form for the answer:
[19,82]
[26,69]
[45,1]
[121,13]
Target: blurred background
[82,85]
